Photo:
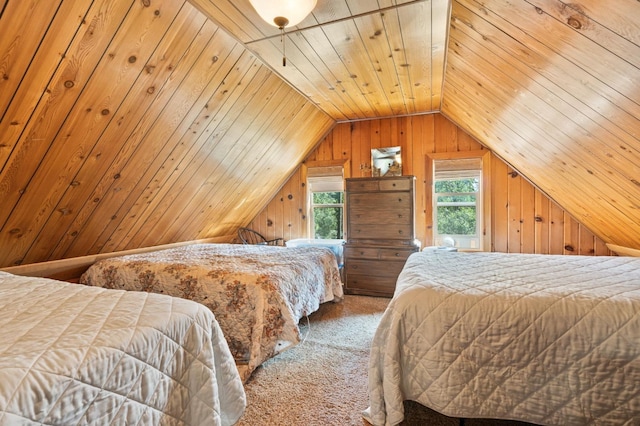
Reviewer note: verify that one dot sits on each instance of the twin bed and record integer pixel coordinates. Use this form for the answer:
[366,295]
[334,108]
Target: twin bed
[257,292]
[72,354]
[175,350]
[551,340]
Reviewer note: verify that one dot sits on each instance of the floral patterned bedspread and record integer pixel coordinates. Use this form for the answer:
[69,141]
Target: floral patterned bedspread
[257,293]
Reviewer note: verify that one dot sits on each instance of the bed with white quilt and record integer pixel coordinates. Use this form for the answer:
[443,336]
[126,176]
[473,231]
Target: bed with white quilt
[546,339]
[72,354]
[258,293]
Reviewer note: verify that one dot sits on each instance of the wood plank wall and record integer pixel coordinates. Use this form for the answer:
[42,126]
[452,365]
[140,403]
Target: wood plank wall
[523,220]
[127,124]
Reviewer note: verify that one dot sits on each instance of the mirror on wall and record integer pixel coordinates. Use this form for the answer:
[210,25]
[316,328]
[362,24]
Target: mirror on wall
[386,161]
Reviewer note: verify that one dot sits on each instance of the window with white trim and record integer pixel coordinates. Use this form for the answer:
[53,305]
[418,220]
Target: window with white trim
[325,187]
[457,203]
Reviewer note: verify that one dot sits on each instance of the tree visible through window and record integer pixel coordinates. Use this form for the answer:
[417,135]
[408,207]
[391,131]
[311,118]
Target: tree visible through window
[327,210]
[456,204]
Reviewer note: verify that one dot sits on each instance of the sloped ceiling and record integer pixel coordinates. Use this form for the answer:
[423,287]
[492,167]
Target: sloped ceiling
[133,123]
[130,123]
[554,89]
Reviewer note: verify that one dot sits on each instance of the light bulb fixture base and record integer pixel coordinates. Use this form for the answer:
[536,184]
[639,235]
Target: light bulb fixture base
[281,22]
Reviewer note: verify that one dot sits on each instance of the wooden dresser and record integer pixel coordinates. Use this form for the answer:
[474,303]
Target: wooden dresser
[380,233]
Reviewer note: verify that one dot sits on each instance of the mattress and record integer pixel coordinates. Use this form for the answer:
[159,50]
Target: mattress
[258,293]
[72,354]
[551,340]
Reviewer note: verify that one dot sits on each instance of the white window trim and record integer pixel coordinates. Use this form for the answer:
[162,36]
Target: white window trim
[485,202]
[324,176]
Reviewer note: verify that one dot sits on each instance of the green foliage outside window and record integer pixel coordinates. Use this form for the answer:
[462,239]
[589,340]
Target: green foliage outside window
[456,206]
[328,214]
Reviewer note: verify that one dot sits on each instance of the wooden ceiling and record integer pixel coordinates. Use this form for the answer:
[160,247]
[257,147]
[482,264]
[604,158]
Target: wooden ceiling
[131,123]
[353,59]
[554,89]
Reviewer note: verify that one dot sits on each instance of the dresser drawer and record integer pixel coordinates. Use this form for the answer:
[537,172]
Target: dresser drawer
[400,214]
[378,253]
[396,184]
[379,231]
[380,200]
[396,254]
[361,252]
[370,285]
[400,183]
[372,277]
[362,185]
[376,268]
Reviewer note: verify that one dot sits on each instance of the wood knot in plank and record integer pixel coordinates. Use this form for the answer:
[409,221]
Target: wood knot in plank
[568,248]
[574,22]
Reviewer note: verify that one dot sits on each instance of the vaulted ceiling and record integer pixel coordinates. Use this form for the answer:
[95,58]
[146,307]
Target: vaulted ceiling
[129,123]
[353,59]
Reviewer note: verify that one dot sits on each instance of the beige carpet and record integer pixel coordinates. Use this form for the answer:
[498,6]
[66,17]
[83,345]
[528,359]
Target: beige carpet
[323,380]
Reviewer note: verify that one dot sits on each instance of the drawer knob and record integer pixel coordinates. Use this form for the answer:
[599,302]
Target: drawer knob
[397,254]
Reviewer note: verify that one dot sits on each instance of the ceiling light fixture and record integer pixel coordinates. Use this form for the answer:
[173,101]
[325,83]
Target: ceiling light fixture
[282,13]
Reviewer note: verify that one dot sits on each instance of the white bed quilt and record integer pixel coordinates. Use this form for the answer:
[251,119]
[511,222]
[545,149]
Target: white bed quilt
[72,354]
[552,340]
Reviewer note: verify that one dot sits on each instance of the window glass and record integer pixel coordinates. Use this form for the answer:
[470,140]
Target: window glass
[328,214]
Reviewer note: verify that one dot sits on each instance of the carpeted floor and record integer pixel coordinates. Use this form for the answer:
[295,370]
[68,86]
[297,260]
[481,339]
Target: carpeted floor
[323,380]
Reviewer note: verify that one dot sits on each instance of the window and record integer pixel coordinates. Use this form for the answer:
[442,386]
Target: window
[326,201]
[457,203]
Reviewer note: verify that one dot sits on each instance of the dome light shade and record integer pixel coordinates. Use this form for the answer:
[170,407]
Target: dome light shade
[282,13]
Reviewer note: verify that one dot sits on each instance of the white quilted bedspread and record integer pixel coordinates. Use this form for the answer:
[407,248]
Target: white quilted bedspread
[72,354]
[552,340]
